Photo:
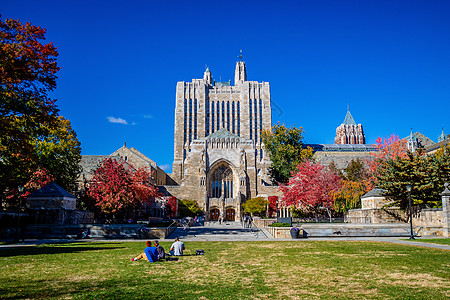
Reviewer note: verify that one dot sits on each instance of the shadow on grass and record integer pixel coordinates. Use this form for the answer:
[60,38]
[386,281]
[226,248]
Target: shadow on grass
[56,249]
[127,288]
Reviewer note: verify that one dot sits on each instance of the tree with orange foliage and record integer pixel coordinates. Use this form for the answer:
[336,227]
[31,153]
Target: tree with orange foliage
[348,195]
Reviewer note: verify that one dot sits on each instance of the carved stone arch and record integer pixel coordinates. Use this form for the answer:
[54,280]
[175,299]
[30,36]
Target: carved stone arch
[222,180]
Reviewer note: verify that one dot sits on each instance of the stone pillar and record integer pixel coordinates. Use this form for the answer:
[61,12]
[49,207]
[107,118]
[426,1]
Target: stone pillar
[446,210]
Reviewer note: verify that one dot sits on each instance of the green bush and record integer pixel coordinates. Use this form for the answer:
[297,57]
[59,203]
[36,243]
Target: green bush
[188,208]
[276,224]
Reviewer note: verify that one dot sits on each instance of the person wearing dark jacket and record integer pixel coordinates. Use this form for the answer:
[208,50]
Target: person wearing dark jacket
[160,249]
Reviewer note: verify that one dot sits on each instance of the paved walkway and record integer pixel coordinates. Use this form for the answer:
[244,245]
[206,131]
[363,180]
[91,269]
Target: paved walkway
[213,231]
[233,231]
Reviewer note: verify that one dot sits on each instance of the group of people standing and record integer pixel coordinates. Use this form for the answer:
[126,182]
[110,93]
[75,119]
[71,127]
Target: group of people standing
[247,221]
[153,254]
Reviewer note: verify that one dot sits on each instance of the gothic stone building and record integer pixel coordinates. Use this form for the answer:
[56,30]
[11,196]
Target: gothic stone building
[219,159]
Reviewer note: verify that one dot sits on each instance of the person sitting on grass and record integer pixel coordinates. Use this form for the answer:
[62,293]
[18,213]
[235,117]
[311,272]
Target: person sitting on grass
[150,254]
[177,247]
[160,249]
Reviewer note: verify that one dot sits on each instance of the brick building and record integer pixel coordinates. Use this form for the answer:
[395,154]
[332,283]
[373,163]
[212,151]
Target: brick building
[349,132]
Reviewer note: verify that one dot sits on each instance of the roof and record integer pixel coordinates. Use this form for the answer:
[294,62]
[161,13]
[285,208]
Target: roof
[349,119]
[342,147]
[90,163]
[376,192]
[222,133]
[49,191]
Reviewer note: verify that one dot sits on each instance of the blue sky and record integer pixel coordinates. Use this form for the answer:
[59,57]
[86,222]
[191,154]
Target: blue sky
[120,62]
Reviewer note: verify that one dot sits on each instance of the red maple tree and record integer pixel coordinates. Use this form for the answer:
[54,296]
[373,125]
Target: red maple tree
[310,187]
[172,207]
[273,201]
[116,186]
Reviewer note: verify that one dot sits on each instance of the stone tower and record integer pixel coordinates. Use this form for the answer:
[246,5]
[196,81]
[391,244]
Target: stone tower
[349,132]
[219,158]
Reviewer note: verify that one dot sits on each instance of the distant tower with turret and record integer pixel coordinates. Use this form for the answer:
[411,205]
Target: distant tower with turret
[349,132]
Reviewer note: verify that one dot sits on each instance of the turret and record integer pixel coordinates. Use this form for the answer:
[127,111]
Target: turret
[207,77]
[240,75]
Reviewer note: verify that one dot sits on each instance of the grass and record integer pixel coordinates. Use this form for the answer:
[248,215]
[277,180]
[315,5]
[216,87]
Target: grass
[228,270]
[444,241]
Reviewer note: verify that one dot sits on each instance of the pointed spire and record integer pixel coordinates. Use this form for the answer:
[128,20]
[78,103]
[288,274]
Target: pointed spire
[442,137]
[348,118]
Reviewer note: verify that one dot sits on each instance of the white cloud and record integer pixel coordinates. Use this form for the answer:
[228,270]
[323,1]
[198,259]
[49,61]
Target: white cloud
[117,120]
[166,167]
[148,116]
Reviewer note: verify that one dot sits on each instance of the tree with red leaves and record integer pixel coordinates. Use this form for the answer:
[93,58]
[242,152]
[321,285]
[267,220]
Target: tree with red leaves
[310,187]
[172,207]
[273,201]
[116,186]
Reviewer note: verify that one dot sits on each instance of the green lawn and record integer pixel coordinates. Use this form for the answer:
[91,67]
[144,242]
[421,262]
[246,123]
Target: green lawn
[228,270]
[444,241]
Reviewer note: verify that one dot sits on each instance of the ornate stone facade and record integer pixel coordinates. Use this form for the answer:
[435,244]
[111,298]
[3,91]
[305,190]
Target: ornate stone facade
[219,159]
[350,133]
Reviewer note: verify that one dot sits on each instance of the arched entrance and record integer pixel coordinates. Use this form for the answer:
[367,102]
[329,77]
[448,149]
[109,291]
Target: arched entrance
[230,214]
[214,214]
[221,183]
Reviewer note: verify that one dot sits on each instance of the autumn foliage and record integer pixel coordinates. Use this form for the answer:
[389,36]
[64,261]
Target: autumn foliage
[273,201]
[172,207]
[389,148]
[31,134]
[310,186]
[348,195]
[116,186]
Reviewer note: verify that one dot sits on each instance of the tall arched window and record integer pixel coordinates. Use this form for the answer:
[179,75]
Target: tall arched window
[250,117]
[223,115]
[239,119]
[233,119]
[195,119]
[260,116]
[185,120]
[212,117]
[256,121]
[190,121]
[228,115]
[221,179]
[218,115]
[207,118]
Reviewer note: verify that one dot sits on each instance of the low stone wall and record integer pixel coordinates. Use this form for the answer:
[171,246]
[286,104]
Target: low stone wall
[375,216]
[282,232]
[429,217]
[106,231]
[342,230]
[355,230]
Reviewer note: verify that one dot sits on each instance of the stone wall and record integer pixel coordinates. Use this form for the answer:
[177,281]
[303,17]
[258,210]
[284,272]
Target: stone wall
[374,216]
[341,158]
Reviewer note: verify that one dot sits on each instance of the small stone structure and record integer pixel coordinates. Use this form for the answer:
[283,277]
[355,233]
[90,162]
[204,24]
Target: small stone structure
[52,204]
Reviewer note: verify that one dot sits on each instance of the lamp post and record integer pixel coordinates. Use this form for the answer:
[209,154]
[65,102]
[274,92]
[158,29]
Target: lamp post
[409,188]
[20,189]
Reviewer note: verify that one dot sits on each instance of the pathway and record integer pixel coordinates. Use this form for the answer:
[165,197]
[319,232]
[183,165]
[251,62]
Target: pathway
[213,231]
